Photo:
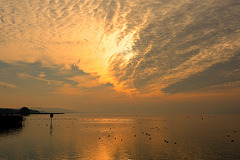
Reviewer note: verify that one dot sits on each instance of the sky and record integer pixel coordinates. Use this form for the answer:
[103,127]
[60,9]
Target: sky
[155,56]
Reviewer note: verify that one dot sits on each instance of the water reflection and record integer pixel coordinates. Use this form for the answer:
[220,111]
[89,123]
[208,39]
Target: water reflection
[51,128]
[124,137]
[10,131]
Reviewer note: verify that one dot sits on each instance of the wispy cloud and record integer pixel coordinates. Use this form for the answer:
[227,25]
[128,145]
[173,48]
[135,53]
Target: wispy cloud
[85,81]
[41,75]
[23,76]
[167,43]
[4,84]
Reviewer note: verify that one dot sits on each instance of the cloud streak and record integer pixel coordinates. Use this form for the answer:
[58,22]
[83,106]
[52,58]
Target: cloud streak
[4,84]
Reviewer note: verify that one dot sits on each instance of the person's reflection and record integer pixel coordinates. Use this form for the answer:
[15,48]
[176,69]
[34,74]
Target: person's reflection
[51,128]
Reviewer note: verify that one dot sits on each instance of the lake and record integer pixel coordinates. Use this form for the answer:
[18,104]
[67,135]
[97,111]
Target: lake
[123,136]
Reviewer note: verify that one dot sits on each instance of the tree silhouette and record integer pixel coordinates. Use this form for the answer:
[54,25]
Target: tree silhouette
[24,111]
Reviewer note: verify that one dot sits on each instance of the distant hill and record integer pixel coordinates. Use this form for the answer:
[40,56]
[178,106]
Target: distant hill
[54,110]
[8,111]
[16,111]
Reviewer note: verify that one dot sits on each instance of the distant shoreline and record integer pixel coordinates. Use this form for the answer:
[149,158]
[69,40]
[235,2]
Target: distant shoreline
[24,111]
[47,113]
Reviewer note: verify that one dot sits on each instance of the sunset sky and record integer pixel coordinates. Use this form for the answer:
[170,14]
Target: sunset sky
[166,56]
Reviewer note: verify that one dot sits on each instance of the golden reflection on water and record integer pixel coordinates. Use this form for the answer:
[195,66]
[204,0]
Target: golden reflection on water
[100,136]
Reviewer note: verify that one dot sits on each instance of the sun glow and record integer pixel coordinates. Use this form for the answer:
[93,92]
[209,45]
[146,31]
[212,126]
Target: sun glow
[117,48]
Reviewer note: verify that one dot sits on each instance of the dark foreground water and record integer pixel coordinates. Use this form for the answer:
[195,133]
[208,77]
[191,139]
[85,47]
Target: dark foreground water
[123,136]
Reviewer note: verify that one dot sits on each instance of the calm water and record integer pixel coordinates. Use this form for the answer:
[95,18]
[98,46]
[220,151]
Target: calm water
[123,136]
